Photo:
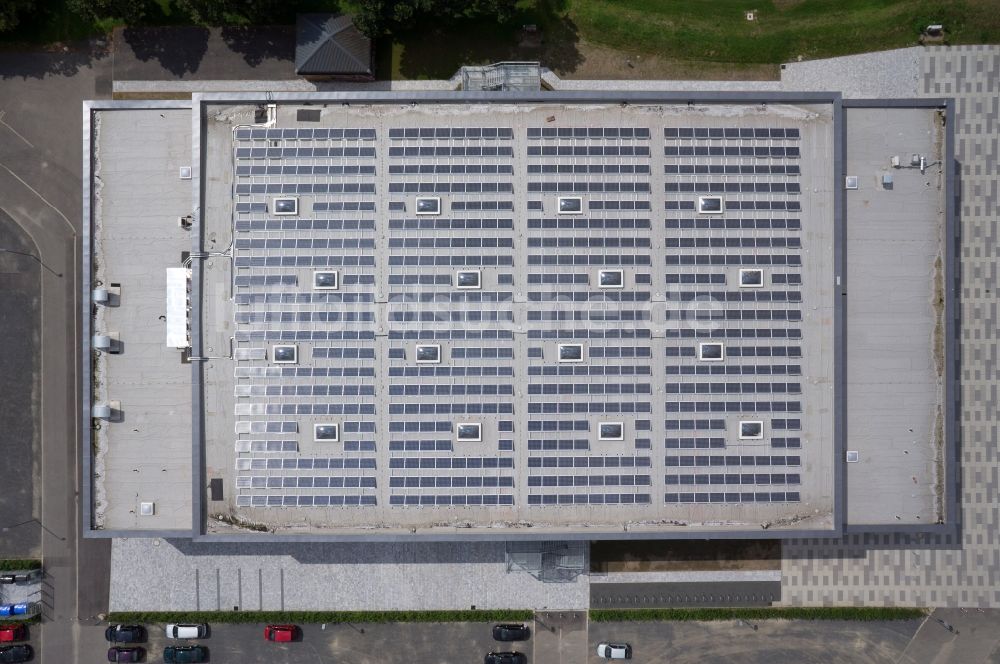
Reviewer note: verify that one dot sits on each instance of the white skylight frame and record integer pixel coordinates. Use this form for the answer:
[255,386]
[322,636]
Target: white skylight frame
[853,456]
[429,213]
[295,206]
[758,436]
[751,270]
[851,182]
[479,279]
[559,350]
[336,280]
[437,352]
[722,351]
[326,439]
[703,199]
[619,436]
[295,354]
[621,278]
[559,204]
[477,438]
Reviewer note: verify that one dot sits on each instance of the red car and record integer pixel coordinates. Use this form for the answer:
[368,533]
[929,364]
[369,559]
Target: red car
[12,633]
[282,633]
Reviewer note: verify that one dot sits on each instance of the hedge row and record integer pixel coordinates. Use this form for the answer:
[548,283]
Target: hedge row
[790,613]
[146,617]
[19,564]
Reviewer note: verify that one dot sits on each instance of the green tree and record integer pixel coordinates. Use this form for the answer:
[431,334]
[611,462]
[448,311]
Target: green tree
[377,16]
[130,11]
[10,10]
[227,12]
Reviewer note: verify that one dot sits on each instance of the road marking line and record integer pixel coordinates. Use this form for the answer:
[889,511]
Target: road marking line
[2,115]
[44,200]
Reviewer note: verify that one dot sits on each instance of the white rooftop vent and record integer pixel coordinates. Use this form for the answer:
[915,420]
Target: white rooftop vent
[570,205]
[147,509]
[470,432]
[287,205]
[853,456]
[428,205]
[184,172]
[102,342]
[851,182]
[101,295]
[101,411]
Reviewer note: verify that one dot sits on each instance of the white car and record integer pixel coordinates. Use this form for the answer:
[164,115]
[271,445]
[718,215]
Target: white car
[186,631]
[614,650]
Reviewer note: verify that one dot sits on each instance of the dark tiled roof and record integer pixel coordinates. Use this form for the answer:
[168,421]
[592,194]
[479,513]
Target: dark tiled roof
[330,44]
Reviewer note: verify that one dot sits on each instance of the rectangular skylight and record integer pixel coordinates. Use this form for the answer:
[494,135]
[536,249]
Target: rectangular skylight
[610,279]
[326,432]
[571,352]
[471,432]
[326,280]
[711,352]
[428,205]
[570,205]
[711,205]
[611,431]
[427,353]
[751,429]
[468,279]
[851,182]
[285,354]
[751,278]
[286,206]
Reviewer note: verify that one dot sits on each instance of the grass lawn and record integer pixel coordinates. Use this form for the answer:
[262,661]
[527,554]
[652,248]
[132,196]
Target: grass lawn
[713,33]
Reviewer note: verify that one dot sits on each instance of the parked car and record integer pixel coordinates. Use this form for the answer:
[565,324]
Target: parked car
[185,654]
[614,650]
[186,631]
[125,654]
[22,652]
[506,658]
[10,633]
[511,632]
[281,632]
[20,609]
[125,633]
[7,578]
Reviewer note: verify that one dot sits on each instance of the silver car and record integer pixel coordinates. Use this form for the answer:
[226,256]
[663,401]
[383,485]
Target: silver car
[188,631]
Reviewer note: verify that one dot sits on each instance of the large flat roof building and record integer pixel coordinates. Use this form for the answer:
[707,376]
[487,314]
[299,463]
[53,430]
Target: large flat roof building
[519,315]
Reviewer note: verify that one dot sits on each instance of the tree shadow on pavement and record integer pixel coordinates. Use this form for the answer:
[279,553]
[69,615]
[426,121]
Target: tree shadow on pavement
[63,60]
[178,50]
[257,44]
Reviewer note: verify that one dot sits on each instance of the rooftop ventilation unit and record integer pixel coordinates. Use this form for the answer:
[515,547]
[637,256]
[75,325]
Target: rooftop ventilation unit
[103,342]
[101,411]
[147,509]
[101,296]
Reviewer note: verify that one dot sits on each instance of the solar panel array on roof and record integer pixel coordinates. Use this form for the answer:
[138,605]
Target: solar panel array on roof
[506,315]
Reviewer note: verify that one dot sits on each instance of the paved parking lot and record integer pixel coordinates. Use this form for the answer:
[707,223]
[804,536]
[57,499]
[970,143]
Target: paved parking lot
[774,641]
[429,643]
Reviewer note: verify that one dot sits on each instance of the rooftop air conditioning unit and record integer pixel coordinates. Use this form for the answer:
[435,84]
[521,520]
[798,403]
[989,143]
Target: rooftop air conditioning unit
[101,295]
[103,342]
[101,411]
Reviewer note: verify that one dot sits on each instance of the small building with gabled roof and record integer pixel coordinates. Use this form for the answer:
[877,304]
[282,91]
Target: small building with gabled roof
[330,46]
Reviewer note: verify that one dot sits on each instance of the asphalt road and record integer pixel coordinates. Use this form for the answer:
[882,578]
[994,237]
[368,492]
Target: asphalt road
[40,177]
[20,295]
